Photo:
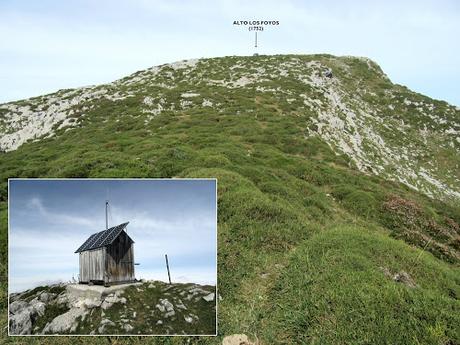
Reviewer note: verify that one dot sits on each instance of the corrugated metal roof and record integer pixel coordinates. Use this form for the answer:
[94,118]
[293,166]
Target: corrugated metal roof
[102,238]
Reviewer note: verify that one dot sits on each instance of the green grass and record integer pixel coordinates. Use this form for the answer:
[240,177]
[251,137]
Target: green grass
[301,232]
[35,292]
[335,292]
[143,303]
[52,310]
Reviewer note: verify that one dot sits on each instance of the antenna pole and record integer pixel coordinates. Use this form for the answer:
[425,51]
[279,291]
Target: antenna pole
[167,266]
[106,216]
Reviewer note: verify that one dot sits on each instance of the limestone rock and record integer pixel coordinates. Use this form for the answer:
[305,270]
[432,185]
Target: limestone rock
[209,298]
[237,339]
[46,297]
[21,323]
[64,322]
[18,306]
[37,307]
[127,327]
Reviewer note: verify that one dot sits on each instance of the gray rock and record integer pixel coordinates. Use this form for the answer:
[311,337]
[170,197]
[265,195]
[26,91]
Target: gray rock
[64,322]
[170,313]
[159,322]
[106,305]
[209,298]
[37,307]
[22,313]
[108,322]
[18,306]
[165,305]
[104,324]
[46,297]
[405,278]
[62,299]
[195,291]
[92,303]
[111,300]
[128,327]
[20,323]
[181,305]
[188,319]
[161,307]
[237,339]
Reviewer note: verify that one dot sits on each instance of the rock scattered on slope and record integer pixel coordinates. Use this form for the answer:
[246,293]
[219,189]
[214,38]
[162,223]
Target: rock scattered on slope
[237,339]
[399,277]
[209,298]
[404,278]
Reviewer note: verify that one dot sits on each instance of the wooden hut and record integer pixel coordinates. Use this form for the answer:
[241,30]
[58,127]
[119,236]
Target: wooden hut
[107,257]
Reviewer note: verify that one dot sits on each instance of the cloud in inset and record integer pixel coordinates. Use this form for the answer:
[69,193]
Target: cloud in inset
[46,228]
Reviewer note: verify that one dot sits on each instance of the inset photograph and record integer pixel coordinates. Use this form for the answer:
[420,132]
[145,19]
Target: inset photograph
[112,257]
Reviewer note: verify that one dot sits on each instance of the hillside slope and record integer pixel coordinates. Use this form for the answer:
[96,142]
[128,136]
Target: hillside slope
[338,191]
[348,102]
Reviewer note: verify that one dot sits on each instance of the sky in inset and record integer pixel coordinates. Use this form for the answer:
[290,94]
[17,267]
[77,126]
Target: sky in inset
[50,219]
[48,45]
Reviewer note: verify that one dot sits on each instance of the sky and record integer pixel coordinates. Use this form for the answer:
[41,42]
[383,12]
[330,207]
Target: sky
[49,45]
[50,219]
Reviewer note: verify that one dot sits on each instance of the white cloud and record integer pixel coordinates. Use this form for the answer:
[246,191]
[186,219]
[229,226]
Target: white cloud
[199,275]
[19,284]
[35,203]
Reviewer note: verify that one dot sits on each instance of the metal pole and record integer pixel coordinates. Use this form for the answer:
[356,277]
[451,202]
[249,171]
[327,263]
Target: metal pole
[167,266]
[106,217]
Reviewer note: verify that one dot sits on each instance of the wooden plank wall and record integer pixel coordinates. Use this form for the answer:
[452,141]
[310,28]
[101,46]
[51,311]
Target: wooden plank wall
[120,259]
[92,265]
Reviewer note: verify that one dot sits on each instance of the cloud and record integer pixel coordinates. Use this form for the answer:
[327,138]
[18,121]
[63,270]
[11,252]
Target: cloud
[19,284]
[36,204]
[199,275]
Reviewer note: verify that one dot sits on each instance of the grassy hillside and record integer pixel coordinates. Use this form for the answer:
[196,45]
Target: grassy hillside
[315,226]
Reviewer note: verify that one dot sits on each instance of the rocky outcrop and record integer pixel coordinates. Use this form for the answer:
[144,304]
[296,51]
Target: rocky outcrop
[65,322]
[123,309]
[22,315]
[21,322]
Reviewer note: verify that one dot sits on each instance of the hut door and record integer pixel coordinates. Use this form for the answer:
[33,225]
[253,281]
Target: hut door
[96,265]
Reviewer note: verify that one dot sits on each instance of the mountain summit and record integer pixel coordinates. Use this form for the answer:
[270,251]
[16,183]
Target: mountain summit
[347,102]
